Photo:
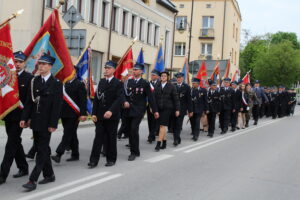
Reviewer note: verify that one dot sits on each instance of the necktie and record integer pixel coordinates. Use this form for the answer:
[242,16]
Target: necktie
[43,81]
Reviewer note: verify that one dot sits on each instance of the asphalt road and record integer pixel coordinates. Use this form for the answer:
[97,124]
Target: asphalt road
[258,163]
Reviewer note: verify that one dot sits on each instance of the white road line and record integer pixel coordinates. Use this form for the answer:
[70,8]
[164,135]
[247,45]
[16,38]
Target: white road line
[82,187]
[159,158]
[229,137]
[63,186]
[217,138]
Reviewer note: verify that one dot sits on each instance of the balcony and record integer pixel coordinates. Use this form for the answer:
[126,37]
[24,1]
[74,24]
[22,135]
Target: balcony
[207,33]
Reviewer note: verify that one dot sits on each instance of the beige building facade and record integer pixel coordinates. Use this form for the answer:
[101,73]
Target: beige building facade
[151,21]
[215,33]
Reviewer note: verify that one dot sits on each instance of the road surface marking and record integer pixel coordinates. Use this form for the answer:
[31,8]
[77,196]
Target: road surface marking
[159,158]
[63,186]
[82,187]
[229,137]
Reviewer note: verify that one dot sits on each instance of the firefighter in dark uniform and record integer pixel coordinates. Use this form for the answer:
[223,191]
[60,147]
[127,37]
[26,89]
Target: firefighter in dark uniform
[184,94]
[14,149]
[261,97]
[282,101]
[267,105]
[274,102]
[42,108]
[292,99]
[237,95]
[139,93]
[153,124]
[106,116]
[227,105]
[199,105]
[214,107]
[76,90]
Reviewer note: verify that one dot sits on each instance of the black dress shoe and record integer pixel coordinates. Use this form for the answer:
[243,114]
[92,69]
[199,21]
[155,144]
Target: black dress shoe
[30,186]
[179,141]
[92,165]
[195,138]
[2,180]
[131,157]
[150,141]
[56,158]
[47,180]
[20,174]
[29,156]
[210,135]
[109,164]
[233,130]
[72,159]
[255,123]
[175,143]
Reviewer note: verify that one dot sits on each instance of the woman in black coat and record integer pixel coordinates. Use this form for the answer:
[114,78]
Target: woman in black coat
[167,101]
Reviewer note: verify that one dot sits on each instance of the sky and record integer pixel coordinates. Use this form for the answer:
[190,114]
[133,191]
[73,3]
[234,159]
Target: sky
[270,16]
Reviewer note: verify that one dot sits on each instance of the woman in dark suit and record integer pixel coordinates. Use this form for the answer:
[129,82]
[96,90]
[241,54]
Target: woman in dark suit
[167,101]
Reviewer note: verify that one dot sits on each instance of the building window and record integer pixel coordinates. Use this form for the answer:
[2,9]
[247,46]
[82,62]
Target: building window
[206,50]
[149,33]
[104,14]
[233,29]
[142,32]
[181,5]
[125,23]
[208,22]
[49,3]
[181,22]
[133,26]
[97,65]
[79,6]
[93,11]
[231,54]
[115,19]
[179,49]
[156,35]
[236,35]
[235,58]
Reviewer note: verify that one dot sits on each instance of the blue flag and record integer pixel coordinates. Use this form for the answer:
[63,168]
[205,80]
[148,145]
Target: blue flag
[160,65]
[140,59]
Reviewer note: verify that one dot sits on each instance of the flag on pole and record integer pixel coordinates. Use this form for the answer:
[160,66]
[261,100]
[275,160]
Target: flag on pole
[227,70]
[50,39]
[85,74]
[124,64]
[246,78]
[186,72]
[160,64]
[236,75]
[140,59]
[215,76]
[9,91]
[202,75]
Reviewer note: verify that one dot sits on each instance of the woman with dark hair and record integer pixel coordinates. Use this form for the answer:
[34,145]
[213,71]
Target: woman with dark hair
[245,104]
[167,101]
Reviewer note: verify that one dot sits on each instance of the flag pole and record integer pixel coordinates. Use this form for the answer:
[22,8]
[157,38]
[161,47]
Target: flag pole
[89,44]
[60,3]
[13,16]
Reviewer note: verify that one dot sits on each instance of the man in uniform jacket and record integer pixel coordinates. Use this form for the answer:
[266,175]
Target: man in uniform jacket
[152,122]
[274,102]
[139,93]
[261,97]
[237,95]
[214,107]
[184,94]
[283,102]
[199,105]
[43,107]
[227,105]
[14,149]
[106,116]
[70,118]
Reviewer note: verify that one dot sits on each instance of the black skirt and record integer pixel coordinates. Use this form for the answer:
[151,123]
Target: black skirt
[164,116]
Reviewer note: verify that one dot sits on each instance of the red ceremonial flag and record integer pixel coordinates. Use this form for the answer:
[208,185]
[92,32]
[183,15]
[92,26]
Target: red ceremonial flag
[202,75]
[9,91]
[124,64]
[227,70]
[246,78]
[50,39]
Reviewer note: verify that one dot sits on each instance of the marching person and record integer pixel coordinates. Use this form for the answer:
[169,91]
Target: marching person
[274,102]
[167,101]
[42,109]
[14,149]
[252,99]
[184,94]
[199,105]
[237,107]
[245,105]
[227,105]
[153,124]
[214,106]
[261,97]
[106,116]
[283,102]
[70,118]
[292,100]
[139,93]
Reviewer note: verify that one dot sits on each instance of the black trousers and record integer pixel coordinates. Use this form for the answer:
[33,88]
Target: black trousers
[106,134]
[43,161]
[195,123]
[225,119]
[178,127]
[124,128]
[172,125]
[211,117]
[255,112]
[134,138]
[13,149]
[69,138]
[274,110]
[281,110]
[234,118]
[153,125]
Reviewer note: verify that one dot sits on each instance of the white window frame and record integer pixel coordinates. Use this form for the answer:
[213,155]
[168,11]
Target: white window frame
[182,52]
